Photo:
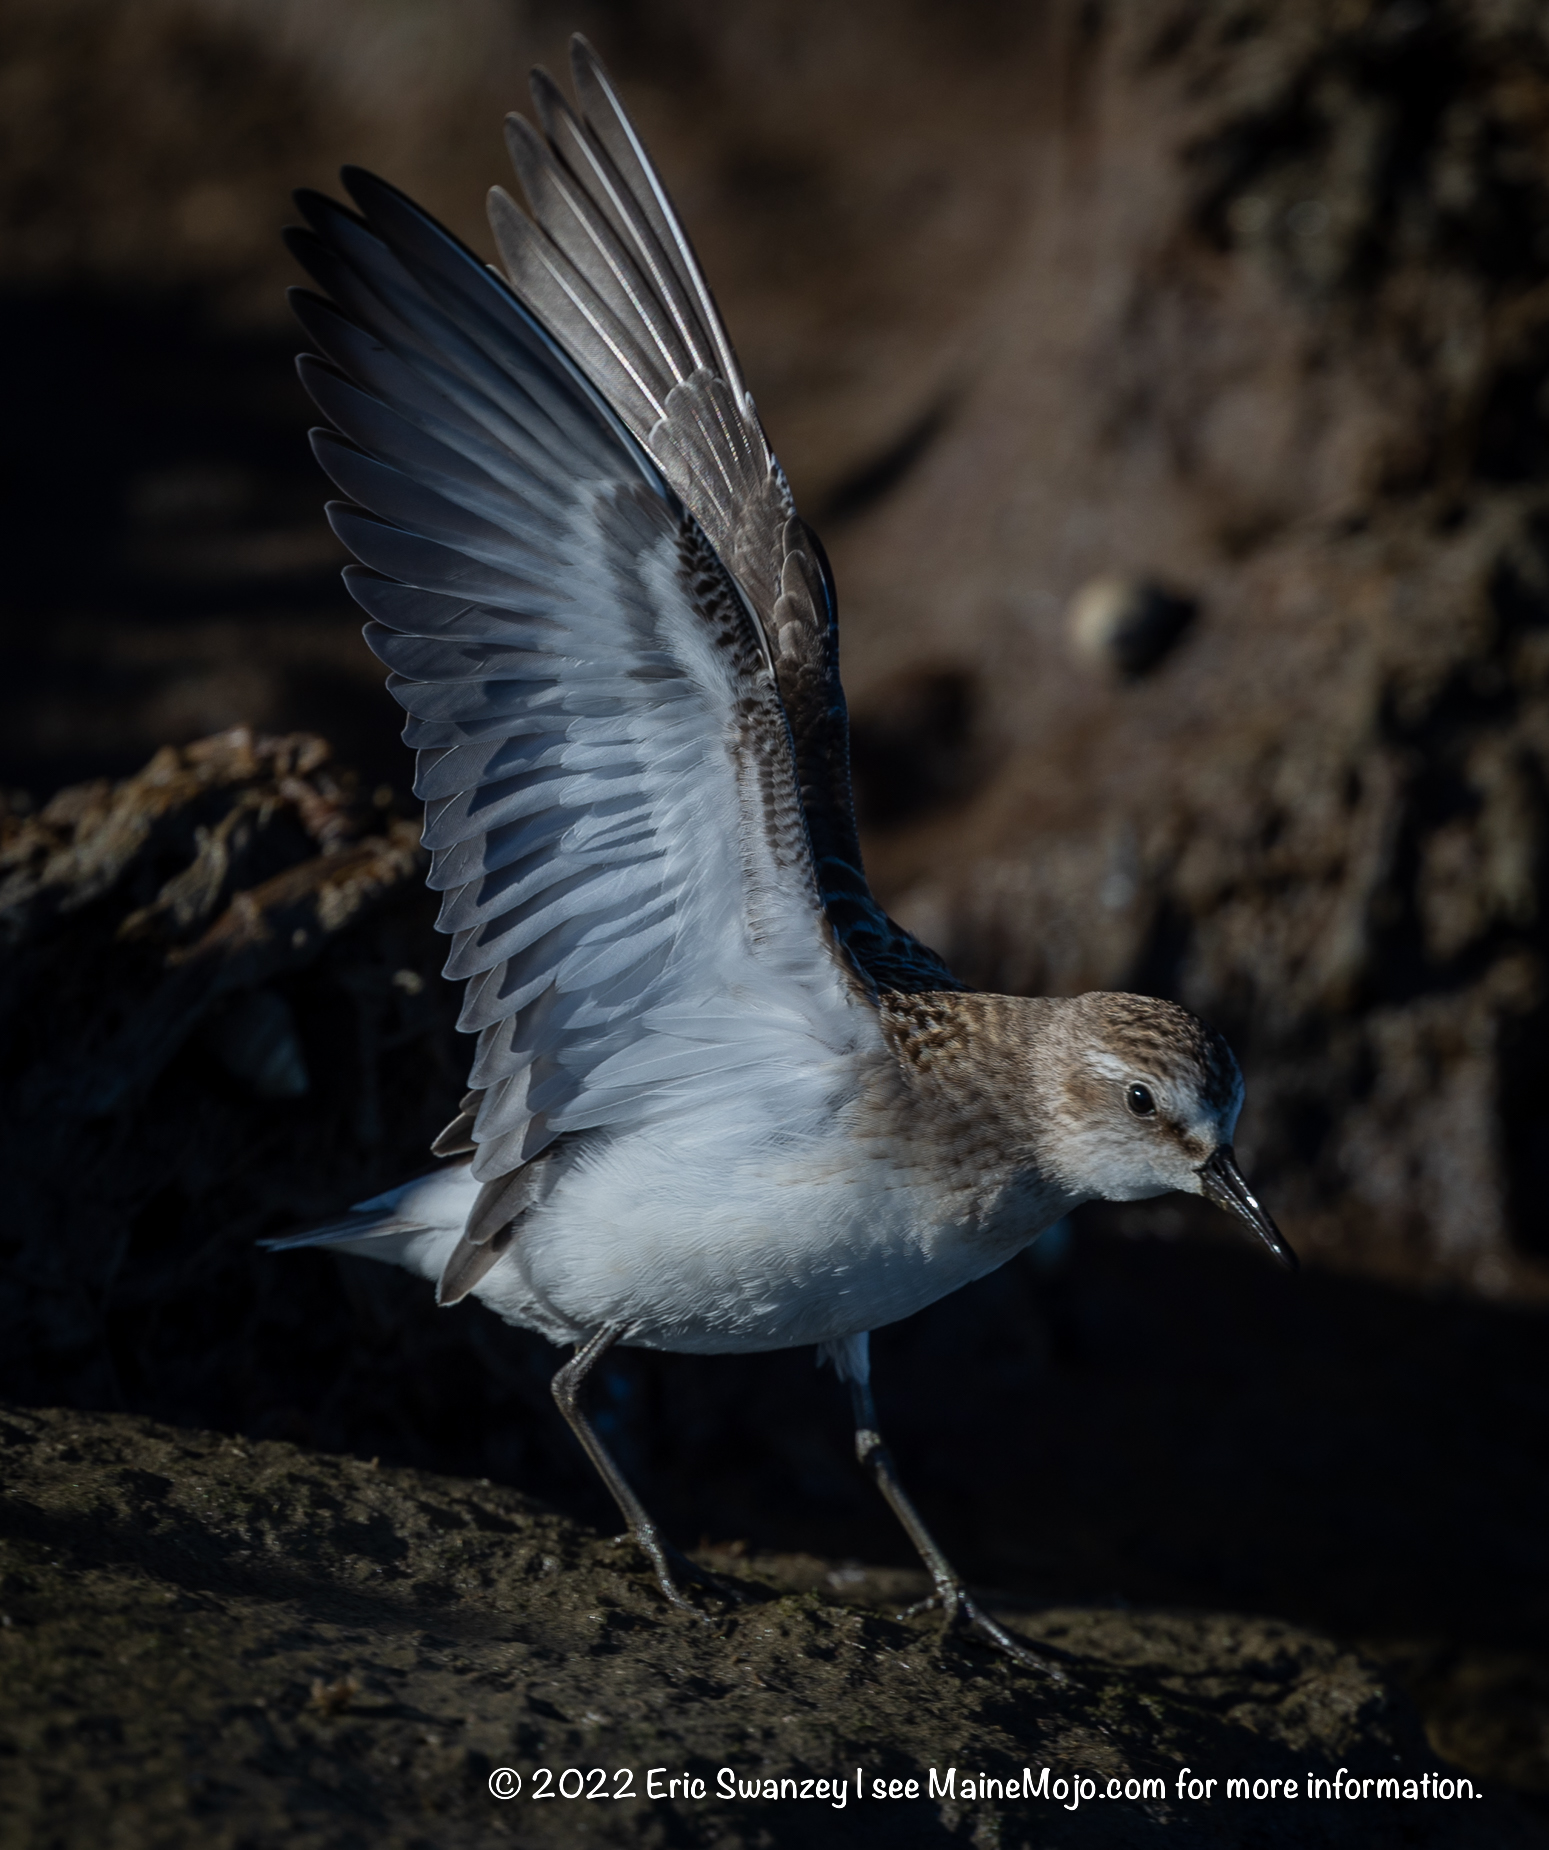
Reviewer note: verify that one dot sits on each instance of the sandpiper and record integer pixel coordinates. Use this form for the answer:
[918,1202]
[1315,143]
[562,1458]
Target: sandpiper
[720,1101]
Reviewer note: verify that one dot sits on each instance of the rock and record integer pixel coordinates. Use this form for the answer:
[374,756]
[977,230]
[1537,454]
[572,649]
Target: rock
[168,935]
[1126,625]
[208,1641]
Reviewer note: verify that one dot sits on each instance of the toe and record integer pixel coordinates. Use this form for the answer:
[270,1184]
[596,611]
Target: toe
[996,1634]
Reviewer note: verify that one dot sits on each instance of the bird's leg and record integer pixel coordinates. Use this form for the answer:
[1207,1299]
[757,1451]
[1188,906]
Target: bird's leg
[957,1603]
[566,1387]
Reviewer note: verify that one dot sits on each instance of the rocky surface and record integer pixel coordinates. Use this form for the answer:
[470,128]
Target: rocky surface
[182,919]
[212,1642]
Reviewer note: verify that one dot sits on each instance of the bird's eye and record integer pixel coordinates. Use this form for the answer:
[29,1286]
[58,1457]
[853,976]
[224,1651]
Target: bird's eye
[1140,1101]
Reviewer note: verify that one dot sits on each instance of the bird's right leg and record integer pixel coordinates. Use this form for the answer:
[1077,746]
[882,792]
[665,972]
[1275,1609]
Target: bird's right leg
[957,1603]
[663,1557]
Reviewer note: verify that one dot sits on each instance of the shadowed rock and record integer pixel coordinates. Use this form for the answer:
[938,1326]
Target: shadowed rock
[212,1641]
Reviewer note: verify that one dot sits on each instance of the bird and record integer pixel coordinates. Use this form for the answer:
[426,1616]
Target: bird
[720,1102]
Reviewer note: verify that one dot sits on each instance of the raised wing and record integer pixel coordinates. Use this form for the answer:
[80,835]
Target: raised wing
[605,265]
[605,763]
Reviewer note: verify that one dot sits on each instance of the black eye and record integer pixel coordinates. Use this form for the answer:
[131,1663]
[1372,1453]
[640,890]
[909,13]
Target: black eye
[1140,1101]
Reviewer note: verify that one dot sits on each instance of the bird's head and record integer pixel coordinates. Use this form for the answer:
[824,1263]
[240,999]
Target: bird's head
[1143,1100]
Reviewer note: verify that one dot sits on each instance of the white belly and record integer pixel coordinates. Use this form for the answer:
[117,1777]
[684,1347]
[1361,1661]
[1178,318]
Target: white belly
[696,1248]
[693,1250]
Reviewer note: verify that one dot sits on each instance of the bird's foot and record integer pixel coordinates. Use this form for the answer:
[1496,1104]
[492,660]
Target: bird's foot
[700,1576]
[961,1613]
[671,1566]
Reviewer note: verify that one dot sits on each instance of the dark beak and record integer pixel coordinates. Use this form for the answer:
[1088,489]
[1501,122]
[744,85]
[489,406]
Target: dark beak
[1223,1184]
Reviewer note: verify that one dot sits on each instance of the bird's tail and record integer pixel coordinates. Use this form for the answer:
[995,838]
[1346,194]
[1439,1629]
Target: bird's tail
[409,1226]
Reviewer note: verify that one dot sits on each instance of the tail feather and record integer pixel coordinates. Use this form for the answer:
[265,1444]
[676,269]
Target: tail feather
[357,1228]
[415,1225]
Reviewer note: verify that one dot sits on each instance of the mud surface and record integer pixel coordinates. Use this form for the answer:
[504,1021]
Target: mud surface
[220,1643]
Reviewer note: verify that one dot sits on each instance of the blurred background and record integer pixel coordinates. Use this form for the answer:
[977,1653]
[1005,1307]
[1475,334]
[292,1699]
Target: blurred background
[1169,380]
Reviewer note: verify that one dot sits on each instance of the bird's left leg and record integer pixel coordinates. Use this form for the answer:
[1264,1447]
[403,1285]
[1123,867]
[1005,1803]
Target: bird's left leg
[957,1603]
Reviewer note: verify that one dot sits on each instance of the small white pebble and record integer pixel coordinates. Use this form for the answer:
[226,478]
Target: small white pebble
[1125,625]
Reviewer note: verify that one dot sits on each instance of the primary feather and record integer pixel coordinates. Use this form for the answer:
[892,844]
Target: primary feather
[605,264]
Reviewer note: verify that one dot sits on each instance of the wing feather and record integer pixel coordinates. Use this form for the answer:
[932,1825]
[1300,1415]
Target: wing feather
[603,260]
[611,802]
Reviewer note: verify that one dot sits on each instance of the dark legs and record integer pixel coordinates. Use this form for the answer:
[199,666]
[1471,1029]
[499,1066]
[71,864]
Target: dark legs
[956,1602]
[566,1387]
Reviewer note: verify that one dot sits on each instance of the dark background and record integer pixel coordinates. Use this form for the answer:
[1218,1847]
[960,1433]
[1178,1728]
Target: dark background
[1170,384]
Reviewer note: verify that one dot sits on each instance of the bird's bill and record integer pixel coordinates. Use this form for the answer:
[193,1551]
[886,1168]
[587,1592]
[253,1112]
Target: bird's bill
[1221,1182]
